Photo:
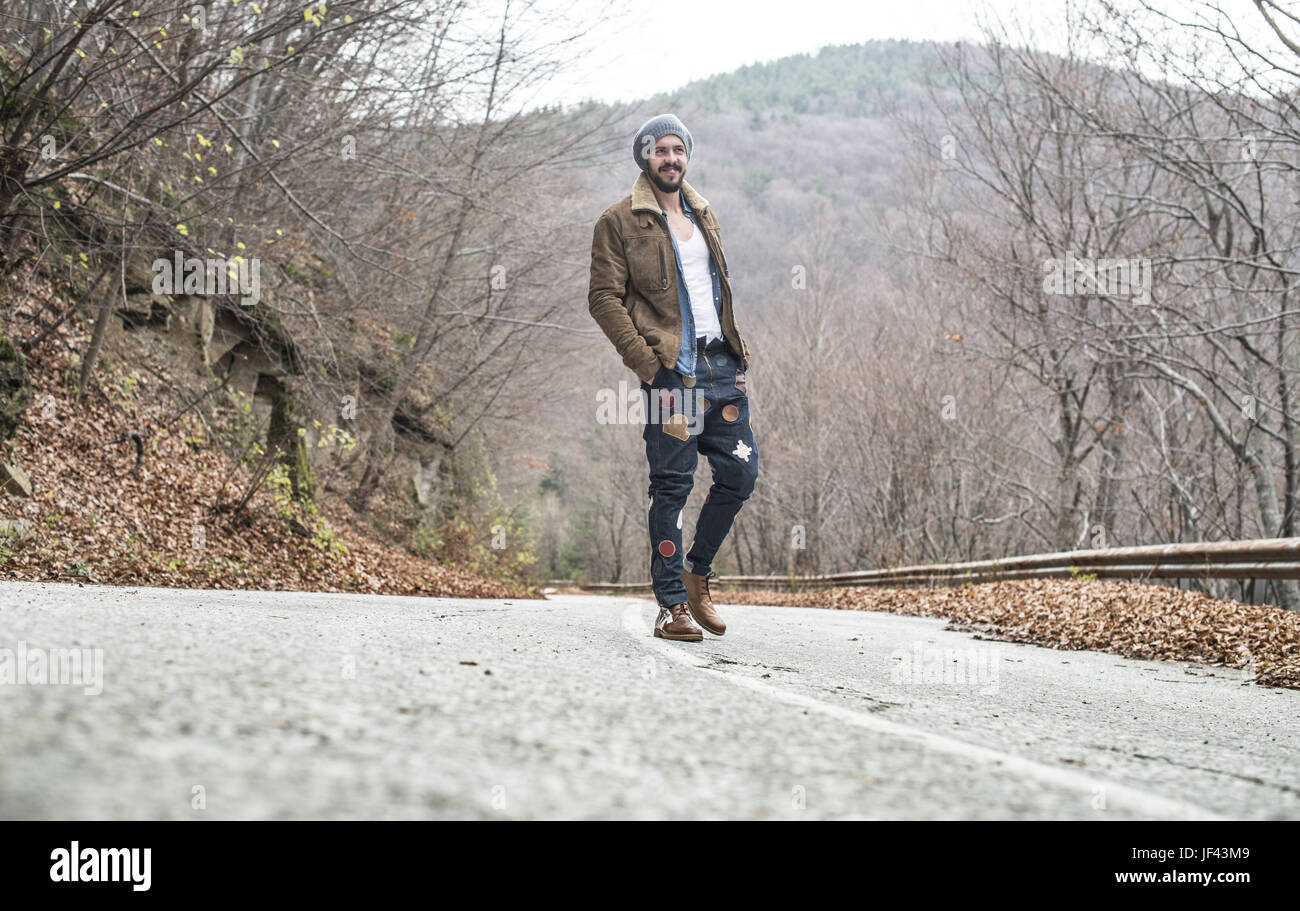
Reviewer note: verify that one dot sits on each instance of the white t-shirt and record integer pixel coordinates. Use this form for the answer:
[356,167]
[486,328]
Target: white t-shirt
[699,284]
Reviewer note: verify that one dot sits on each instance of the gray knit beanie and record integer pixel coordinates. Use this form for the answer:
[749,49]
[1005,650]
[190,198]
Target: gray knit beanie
[658,128]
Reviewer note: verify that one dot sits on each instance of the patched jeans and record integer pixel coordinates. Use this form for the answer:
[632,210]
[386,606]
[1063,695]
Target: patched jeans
[711,419]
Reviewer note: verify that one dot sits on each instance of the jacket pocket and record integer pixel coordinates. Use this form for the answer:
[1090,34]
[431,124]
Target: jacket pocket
[646,268]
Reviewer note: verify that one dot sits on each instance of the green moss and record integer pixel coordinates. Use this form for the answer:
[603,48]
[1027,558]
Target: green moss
[286,433]
[15,391]
[300,473]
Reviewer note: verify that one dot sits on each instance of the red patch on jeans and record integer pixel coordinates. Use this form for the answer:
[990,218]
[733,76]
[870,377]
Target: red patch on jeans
[667,548]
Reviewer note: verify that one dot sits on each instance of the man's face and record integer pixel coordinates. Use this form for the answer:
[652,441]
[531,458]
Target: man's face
[667,163]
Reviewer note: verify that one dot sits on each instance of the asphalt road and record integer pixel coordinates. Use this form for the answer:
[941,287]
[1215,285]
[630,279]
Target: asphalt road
[251,705]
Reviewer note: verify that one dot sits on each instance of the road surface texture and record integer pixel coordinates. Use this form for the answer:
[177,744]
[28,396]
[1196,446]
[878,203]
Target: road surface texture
[251,705]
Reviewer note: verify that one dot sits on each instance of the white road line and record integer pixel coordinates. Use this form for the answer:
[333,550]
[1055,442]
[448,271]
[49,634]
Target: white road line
[1118,796]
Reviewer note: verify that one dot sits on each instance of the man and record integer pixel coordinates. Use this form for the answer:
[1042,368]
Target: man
[661,292]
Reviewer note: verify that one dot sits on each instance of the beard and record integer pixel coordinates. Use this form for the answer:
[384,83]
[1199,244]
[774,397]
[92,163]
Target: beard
[667,186]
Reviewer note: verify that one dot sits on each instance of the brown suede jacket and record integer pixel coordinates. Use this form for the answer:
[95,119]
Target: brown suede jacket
[633,290]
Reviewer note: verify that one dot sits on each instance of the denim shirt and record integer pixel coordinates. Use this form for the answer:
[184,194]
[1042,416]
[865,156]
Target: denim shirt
[686,357]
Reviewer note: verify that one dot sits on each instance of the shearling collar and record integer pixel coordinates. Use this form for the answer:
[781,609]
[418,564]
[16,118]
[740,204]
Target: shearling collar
[643,197]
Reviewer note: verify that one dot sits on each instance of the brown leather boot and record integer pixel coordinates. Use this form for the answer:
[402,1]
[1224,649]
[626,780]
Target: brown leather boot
[675,623]
[700,605]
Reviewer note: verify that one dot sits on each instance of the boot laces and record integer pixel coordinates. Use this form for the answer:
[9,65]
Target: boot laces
[675,611]
[679,611]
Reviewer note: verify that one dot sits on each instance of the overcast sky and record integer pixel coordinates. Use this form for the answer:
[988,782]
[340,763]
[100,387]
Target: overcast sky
[648,46]
[635,48]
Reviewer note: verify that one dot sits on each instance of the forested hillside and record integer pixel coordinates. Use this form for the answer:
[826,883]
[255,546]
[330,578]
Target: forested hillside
[312,232]
[853,80]
[1009,302]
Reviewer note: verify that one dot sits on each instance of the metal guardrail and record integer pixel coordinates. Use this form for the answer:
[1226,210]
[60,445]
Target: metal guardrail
[1266,558]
